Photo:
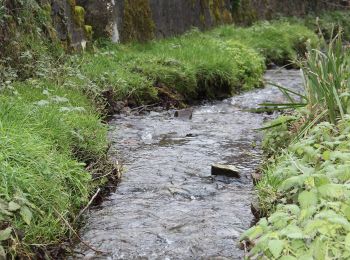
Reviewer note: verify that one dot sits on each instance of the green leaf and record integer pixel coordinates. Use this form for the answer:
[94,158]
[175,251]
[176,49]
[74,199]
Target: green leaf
[5,234]
[2,253]
[307,199]
[332,190]
[13,206]
[288,257]
[294,181]
[276,246]
[347,241]
[326,155]
[292,231]
[346,211]
[252,233]
[26,214]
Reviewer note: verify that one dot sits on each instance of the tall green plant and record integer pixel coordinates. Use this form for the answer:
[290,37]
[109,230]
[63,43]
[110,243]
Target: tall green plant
[326,82]
[326,74]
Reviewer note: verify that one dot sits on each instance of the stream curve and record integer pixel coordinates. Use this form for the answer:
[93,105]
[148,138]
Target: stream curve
[168,206]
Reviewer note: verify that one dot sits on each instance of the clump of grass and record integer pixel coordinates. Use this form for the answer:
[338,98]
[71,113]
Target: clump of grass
[279,42]
[326,83]
[326,74]
[43,127]
[196,65]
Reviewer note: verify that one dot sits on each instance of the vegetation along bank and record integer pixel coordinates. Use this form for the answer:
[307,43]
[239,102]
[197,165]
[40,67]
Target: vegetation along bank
[304,191]
[53,140]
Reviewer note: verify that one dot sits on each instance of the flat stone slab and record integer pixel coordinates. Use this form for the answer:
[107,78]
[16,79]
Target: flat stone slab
[226,170]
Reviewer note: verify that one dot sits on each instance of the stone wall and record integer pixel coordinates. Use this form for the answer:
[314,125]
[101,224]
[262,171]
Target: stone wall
[69,25]
[127,20]
[250,11]
[142,20]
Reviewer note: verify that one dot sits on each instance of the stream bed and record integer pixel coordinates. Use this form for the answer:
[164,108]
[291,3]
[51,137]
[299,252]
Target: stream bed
[168,205]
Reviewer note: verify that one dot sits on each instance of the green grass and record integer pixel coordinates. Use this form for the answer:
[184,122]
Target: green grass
[194,66]
[210,65]
[278,41]
[43,128]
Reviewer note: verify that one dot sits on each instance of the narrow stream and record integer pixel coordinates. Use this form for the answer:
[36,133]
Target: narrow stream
[168,206]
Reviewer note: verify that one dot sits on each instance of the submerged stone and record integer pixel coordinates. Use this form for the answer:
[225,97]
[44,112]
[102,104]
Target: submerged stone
[227,170]
[184,114]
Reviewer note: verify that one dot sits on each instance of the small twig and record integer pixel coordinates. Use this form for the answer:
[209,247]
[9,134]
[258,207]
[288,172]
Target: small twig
[103,176]
[141,108]
[117,168]
[87,206]
[76,234]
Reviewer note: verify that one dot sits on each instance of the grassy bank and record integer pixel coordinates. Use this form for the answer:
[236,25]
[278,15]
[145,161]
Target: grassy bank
[304,191]
[197,65]
[50,121]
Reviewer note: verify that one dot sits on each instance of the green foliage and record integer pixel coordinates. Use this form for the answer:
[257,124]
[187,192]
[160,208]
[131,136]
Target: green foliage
[326,82]
[49,121]
[28,39]
[193,66]
[196,65]
[312,194]
[326,76]
[43,127]
[278,41]
[306,186]
[329,22]
[277,134]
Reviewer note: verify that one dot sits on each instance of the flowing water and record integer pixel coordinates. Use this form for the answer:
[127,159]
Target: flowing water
[168,206]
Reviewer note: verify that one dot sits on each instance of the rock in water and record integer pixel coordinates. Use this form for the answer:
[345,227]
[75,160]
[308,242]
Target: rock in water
[184,114]
[227,170]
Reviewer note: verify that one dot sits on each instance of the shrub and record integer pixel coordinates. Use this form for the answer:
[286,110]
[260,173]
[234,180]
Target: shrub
[279,41]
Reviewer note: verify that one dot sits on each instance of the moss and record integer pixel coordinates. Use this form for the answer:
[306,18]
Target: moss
[202,19]
[138,24]
[245,13]
[88,31]
[218,11]
[79,15]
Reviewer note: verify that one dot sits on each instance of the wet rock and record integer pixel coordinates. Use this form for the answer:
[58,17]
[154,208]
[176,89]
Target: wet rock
[191,135]
[184,114]
[226,170]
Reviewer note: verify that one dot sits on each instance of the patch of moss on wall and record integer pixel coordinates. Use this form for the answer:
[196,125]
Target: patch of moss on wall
[138,24]
[79,15]
[245,13]
[218,9]
[79,19]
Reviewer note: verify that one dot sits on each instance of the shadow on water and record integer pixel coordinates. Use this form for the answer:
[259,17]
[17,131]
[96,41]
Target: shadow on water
[168,206]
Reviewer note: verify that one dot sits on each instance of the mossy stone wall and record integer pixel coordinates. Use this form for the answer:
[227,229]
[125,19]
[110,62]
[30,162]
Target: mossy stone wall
[249,11]
[142,20]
